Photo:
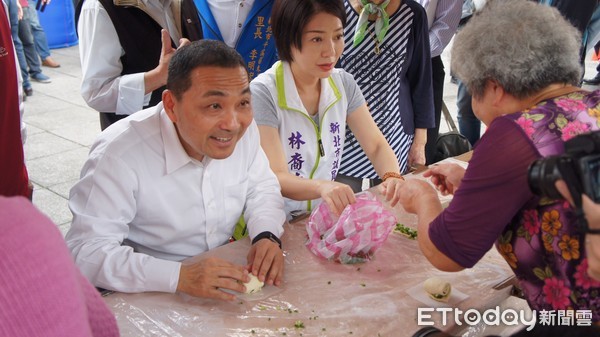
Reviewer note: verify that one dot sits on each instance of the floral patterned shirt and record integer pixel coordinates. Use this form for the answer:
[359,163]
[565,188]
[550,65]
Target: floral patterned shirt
[537,237]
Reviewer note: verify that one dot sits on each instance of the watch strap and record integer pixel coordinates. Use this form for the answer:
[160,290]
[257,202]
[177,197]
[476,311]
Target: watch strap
[267,235]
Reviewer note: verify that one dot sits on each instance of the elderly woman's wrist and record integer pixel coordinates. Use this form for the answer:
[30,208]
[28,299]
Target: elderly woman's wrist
[429,202]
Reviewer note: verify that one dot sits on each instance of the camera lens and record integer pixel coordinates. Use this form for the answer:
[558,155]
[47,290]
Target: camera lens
[542,175]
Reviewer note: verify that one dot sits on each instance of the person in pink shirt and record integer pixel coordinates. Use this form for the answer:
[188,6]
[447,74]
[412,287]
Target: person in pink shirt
[41,290]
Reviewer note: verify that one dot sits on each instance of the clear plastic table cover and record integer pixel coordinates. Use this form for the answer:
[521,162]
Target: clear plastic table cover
[318,297]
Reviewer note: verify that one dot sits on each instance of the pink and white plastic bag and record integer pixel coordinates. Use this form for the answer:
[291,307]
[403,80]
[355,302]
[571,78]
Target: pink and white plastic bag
[353,237]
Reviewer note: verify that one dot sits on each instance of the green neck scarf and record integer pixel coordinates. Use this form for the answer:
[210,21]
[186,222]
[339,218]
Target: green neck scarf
[381,24]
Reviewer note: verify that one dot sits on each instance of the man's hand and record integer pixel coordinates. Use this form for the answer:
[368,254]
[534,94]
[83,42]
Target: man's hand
[204,277]
[266,261]
[157,77]
[446,177]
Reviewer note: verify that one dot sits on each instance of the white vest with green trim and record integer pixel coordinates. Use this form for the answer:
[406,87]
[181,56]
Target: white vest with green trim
[312,151]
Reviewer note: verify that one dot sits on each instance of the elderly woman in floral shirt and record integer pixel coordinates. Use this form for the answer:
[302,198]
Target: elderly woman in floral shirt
[519,60]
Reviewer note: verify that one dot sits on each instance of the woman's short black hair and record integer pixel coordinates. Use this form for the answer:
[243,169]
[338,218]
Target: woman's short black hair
[289,17]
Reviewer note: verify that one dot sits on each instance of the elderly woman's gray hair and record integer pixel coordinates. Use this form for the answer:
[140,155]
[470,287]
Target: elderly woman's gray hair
[522,45]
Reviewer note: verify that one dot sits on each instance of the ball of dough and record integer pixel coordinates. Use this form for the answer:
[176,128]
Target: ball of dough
[254,285]
[437,289]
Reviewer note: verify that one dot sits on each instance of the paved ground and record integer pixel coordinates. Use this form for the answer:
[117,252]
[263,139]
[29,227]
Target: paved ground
[61,128]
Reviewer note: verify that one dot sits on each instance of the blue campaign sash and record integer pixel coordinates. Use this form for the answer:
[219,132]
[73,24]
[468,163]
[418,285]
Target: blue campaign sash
[256,43]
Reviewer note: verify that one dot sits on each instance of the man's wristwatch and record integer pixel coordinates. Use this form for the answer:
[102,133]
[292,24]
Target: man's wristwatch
[267,235]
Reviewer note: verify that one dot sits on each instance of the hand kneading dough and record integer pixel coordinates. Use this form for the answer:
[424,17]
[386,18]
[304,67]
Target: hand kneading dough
[437,289]
[254,285]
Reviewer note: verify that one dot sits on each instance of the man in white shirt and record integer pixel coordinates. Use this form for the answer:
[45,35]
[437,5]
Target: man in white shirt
[124,49]
[170,182]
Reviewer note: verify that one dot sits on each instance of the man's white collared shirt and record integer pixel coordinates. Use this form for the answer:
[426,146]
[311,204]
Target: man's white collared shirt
[143,204]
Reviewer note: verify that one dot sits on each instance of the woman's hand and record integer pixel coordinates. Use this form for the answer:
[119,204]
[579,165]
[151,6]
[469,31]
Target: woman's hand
[390,189]
[416,154]
[411,193]
[446,177]
[336,195]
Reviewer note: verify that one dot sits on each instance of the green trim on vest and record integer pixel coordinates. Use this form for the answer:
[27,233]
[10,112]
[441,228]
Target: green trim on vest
[241,229]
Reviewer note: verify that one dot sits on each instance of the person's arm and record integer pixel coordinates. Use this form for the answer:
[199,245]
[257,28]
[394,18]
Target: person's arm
[264,204]
[418,197]
[376,147]
[157,77]
[446,177]
[416,154]
[493,189]
[103,204]
[263,213]
[102,86]
[202,277]
[365,130]
[421,87]
[445,23]
[337,195]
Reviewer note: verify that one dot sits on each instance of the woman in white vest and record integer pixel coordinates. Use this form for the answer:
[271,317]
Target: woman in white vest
[302,105]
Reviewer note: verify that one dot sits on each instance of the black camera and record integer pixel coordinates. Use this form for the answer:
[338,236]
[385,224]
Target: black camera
[579,167]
